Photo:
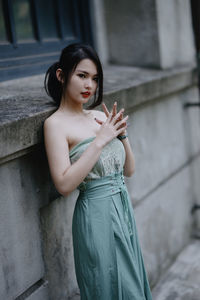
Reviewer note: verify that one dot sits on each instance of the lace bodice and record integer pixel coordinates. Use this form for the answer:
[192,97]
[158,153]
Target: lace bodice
[111,160]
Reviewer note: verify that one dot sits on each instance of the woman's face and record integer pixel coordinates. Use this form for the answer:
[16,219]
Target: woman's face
[83,83]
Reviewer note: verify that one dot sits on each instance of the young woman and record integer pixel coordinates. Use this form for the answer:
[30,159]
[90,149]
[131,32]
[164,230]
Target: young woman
[89,150]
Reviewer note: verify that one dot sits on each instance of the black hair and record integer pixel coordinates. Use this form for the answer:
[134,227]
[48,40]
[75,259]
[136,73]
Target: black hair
[69,59]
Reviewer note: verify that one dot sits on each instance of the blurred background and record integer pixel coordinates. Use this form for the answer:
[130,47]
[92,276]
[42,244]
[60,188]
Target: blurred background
[150,50]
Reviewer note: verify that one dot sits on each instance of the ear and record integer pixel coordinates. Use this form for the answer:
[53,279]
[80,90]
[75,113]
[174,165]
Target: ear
[59,75]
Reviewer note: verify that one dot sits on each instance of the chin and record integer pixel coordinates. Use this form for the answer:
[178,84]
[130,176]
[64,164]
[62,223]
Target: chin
[85,100]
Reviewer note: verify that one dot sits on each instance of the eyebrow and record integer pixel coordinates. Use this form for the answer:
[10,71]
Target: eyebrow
[85,72]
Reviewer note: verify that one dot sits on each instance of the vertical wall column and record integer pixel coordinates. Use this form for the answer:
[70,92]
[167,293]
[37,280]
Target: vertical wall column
[149,33]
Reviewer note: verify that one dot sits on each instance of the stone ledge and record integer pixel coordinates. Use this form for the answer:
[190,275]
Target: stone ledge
[24,105]
[144,85]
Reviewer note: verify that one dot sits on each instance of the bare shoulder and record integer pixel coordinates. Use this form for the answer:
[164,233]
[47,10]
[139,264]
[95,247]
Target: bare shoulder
[54,122]
[51,120]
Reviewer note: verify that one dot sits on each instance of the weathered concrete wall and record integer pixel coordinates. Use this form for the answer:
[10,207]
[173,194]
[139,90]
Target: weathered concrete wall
[21,266]
[164,222]
[99,29]
[165,137]
[131,28]
[175,33]
[173,135]
[56,220]
[153,33]
[194,173]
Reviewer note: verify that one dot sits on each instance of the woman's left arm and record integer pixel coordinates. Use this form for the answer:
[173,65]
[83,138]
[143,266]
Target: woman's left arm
[129,165]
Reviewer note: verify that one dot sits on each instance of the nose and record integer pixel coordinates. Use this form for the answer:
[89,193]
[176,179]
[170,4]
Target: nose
[88,83]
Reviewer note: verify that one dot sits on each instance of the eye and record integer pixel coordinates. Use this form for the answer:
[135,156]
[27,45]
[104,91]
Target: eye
[96,79]
[81,75]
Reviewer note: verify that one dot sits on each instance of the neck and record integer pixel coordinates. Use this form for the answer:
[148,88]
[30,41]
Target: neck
[71,106]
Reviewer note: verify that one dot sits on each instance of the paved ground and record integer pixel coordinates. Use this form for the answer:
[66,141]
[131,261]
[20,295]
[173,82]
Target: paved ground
[76,297]
[182,279]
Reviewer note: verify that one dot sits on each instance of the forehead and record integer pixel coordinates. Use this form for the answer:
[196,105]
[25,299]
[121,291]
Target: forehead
[87,65]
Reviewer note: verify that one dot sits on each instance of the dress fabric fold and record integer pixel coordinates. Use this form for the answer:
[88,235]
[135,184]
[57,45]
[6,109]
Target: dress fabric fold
[108,259]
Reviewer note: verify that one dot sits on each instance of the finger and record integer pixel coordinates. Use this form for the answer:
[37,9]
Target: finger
[105,109]
[119,124]
[115,108]
[118,116]
[121,116]
[109,118]
[120,130]
[98,121]
[123,124]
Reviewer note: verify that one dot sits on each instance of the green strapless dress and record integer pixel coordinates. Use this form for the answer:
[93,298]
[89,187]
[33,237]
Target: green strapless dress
[108,259]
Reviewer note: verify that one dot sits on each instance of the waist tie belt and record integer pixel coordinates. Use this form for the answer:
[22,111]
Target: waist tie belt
[106,186]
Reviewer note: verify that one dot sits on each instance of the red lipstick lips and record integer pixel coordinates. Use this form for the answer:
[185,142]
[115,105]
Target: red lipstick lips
[86,94]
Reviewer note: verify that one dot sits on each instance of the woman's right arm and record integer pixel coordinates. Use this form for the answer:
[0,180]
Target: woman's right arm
[67,176]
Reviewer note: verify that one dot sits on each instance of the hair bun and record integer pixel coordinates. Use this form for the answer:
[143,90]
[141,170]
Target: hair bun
[52,85]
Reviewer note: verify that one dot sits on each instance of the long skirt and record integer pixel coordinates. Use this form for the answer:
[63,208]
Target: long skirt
[108,259]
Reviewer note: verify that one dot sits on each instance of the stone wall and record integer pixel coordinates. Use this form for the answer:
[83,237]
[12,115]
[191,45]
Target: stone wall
[148,33]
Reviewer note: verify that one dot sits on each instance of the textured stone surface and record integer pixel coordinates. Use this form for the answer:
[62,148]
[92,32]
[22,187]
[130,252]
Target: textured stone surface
[194,168]
[56,220]
[182,280]
[164,222]
[21,263]
[154,33]
[164,137]
[135,22]
[16,101]
[22,113]
[41,293]
[176,40]
[99,29]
